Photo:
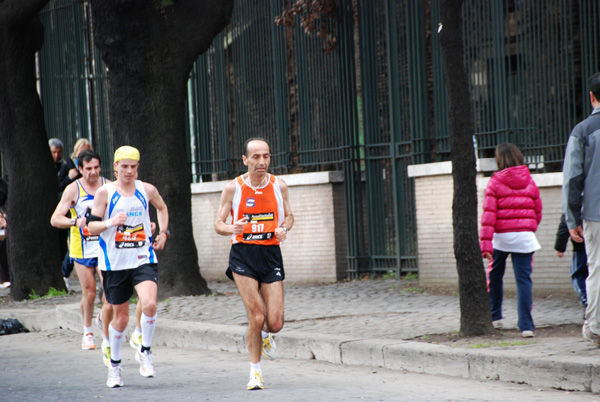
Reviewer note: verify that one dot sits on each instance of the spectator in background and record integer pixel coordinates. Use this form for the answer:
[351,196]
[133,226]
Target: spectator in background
[512,211]
[581,202]
[4,273]
[56,148]
[68,172]
[579,267]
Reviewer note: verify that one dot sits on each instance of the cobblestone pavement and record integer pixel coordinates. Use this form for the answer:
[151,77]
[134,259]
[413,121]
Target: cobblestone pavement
[389,309]
[383,308]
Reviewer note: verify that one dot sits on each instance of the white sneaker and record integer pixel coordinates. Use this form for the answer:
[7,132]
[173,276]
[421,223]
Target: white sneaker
[135,341]
[106,352]
[588,335]
[5,285]
[114,376]
[527,334]
[67,284]
[88,342]
[498,324]
[146,365]
[269,349]
[256,381]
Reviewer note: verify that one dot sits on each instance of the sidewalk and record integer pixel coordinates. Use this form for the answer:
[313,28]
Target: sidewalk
[368,323]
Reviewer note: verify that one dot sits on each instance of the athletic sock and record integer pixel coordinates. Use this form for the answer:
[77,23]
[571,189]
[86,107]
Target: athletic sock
[116,343]
[148,327]
[254,367]
[264,334]
[87,330]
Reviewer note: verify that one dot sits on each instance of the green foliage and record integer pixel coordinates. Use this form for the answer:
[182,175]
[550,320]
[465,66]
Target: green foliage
[390,274]
[166,3]
[52,292]
[501,344]
[412,289]
[411,276]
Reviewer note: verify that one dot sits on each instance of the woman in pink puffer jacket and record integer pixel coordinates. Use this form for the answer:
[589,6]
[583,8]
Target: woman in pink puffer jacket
[512,210]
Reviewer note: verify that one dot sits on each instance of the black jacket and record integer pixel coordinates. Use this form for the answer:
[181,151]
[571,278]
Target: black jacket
[563,236]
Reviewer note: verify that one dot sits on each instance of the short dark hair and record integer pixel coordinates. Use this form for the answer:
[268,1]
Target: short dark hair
[594,84]
[87,155]
[245,150]
[508,155]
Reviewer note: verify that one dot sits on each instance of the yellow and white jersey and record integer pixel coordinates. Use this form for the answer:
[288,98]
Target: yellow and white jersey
[129,245]
[81,243]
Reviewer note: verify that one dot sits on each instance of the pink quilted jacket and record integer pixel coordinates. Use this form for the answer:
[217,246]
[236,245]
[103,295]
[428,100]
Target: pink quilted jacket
[512,204]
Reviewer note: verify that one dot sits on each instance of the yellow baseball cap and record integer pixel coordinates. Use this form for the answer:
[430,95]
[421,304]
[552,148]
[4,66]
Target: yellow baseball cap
[127,152]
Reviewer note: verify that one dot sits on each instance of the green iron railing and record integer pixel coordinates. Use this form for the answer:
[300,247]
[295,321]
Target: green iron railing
[371,108]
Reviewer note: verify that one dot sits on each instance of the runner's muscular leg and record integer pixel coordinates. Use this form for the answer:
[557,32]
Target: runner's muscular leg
[147,292]
[121,316]
[272,294]
[255,309]
[107,310]
[88,292]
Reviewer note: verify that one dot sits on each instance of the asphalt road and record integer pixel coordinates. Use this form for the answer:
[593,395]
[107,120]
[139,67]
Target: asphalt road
[50,366]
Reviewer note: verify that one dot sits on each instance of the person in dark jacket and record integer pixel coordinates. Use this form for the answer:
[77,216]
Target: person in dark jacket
[579,266]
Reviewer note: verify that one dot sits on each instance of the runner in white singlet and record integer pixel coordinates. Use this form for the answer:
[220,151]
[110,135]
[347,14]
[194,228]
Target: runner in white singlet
[126,255]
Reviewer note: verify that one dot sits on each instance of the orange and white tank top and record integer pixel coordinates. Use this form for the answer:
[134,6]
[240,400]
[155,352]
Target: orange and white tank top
[263,206]
[129,245]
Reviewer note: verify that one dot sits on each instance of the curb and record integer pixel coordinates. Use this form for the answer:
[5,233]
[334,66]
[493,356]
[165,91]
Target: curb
[517,365]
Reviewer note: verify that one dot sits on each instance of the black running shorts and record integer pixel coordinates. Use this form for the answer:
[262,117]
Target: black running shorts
[263,263]
[119,285]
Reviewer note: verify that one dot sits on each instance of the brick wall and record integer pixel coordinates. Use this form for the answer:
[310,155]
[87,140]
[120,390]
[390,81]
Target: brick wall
[437,266]
[315,249]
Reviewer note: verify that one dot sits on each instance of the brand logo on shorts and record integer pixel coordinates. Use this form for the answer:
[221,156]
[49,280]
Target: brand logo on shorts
[249,202]
[278,274]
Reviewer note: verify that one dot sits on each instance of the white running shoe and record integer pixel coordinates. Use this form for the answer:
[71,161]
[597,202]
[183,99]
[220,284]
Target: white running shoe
[135,341]
[269,349]
[88,342]
[114,376]
[4,285]
[67,284]
[256,381]
[146,365]
[106,352]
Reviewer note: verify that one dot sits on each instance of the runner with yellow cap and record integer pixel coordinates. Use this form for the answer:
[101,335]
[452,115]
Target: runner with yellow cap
[127,257]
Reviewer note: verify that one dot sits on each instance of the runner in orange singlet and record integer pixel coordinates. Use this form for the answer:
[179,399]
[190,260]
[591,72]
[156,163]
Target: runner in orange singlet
[261,217]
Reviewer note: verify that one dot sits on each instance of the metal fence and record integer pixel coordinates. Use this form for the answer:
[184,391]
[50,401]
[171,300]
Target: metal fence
[370,108]
[72,80]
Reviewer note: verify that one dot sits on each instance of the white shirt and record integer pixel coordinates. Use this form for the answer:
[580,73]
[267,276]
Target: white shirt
[516,242]
[129,245]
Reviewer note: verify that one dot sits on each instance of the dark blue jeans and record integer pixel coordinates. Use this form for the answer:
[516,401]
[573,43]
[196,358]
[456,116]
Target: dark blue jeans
[522,265]
[579,273]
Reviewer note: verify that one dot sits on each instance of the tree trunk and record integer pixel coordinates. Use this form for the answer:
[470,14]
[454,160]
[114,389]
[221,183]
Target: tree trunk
[149,50]
[474,302]
[34,258]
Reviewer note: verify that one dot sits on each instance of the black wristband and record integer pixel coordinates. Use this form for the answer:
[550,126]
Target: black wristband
[92,218]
